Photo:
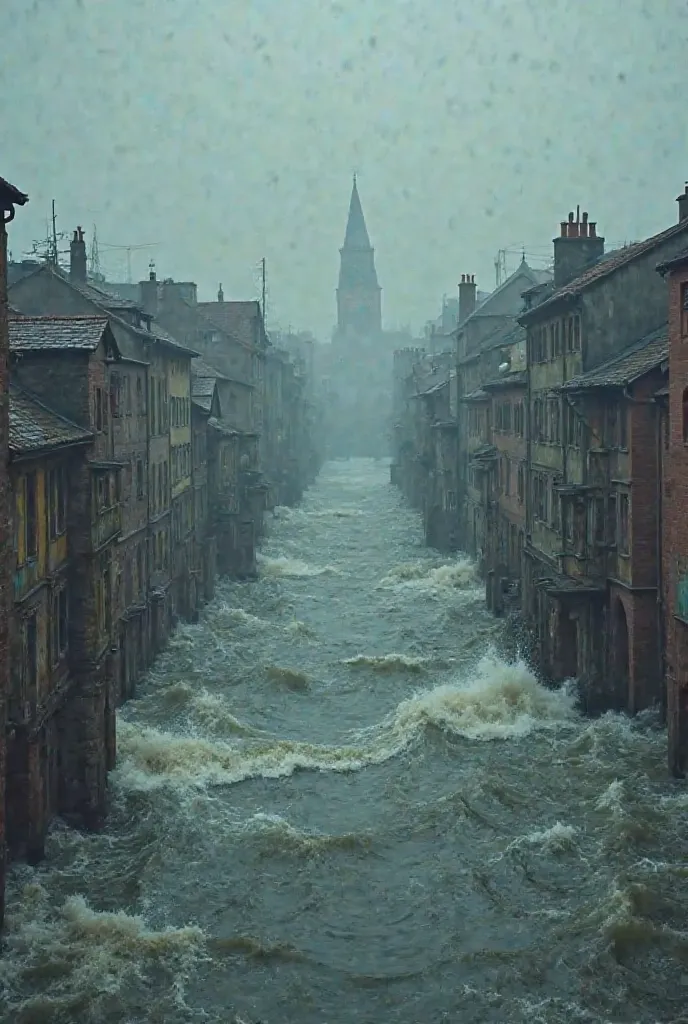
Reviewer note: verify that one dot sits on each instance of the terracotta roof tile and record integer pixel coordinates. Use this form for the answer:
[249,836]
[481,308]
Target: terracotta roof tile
[34,427]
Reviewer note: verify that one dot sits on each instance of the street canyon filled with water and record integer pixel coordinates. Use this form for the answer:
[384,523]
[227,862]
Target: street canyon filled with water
[334,801]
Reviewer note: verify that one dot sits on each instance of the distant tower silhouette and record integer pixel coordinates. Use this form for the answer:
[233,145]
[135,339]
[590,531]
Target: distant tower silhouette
[359,305]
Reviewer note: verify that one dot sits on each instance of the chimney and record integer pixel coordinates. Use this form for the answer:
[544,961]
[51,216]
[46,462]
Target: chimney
[576,248]
[220,294]
[467,291]
[683,205]
[149,291]
[77,257]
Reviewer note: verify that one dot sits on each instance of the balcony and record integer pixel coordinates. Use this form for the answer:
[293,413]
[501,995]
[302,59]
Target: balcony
[107,526]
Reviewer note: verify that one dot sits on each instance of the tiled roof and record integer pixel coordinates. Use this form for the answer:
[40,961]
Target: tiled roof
[508,380]
[34,427]
[609,263]
[635,361]
[45,333]
[10,195]
[104,297]
[236,318]
[475,396]
[200,368]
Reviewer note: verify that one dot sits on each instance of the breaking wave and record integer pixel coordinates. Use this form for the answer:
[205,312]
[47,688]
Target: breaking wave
[459,574]
[294,568]
[388,662]
[502,701]
[78,962]
[292,678]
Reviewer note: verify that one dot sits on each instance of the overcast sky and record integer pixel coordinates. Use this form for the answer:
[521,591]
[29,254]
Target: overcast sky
[228,130]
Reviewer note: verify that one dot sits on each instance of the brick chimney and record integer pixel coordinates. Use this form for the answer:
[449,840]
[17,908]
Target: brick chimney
[149,291]
[77,257]
[683,205]
[220,294]
[467,290]
[577,247]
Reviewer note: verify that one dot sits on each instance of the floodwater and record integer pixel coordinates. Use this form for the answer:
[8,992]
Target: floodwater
[335,803]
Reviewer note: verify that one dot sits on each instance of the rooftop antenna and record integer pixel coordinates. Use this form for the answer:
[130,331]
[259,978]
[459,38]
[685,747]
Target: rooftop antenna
[129,249]
[94,269]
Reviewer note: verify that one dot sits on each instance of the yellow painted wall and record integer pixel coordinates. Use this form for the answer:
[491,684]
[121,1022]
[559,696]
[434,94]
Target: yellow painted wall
[28,573]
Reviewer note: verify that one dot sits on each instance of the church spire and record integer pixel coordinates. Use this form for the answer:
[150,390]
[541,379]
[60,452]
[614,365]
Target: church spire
[358,294]
[356,236]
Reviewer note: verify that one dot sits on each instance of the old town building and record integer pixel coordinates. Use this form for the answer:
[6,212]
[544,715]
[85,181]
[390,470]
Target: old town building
[674,537]
[506,510]
[65,362]
[10,198]
[591,582]
[47,455]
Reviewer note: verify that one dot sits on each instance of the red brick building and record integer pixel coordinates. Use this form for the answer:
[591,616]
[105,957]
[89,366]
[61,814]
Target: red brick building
[675,523]
[9,198]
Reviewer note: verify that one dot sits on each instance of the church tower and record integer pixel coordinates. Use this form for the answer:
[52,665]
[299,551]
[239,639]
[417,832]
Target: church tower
[359,311]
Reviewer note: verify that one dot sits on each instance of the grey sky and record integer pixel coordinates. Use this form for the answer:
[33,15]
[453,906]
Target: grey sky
[227,130]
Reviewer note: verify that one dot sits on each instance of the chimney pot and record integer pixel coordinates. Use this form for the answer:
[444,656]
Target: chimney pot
[592,229]
[585,217]
[683,205]
[571,217]
[564,225]
[77,257]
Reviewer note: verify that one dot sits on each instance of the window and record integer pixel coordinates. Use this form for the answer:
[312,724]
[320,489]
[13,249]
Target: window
[99,410]
[568,522]
[451,499]
[611,520]
[623,425]
[139,479]
[31,655]
[58,626]
[573,429]
[598,523]
[165,487]
[30,518]
[576,334]
[507,477]
[521,483]
[623,523]
[152,407]
[140,408]
[684,310]
[57,501]
[115,395]
[611,427]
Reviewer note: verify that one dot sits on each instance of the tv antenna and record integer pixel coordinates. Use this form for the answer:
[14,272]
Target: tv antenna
[129,249]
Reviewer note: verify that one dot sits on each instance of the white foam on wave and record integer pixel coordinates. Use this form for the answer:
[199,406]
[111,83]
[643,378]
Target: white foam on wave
[295,568]
[500,702]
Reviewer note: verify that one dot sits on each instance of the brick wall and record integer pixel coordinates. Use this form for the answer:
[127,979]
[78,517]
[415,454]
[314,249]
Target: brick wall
[675,532]
[5,544]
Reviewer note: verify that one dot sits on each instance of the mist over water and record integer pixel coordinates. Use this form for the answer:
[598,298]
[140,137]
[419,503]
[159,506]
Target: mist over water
[334,802]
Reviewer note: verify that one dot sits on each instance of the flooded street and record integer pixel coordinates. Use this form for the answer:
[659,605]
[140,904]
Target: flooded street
[335,803]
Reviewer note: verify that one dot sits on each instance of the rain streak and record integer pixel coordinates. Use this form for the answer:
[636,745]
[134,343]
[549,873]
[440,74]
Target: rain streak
[335,801]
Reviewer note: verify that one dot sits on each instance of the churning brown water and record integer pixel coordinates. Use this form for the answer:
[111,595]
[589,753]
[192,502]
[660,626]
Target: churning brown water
[334,803]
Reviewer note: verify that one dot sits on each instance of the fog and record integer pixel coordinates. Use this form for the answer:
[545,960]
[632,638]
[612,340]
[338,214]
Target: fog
[228,132]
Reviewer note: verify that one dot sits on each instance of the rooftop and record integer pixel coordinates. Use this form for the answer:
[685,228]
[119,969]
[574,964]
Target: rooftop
[35,428]
[634,362]
[609,263]
[46,333]
[236,318]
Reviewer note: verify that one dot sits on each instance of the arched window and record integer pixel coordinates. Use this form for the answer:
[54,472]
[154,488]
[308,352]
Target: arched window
[685,415]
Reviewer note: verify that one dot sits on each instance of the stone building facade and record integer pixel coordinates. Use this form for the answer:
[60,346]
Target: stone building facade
[125,475]
[674,536]
[10,198]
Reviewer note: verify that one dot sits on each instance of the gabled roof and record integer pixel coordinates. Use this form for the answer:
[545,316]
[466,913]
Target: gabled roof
[11,196]
[633,363]
[235,318]
[35,428]
[538,278]
[609,264]
[47,333]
